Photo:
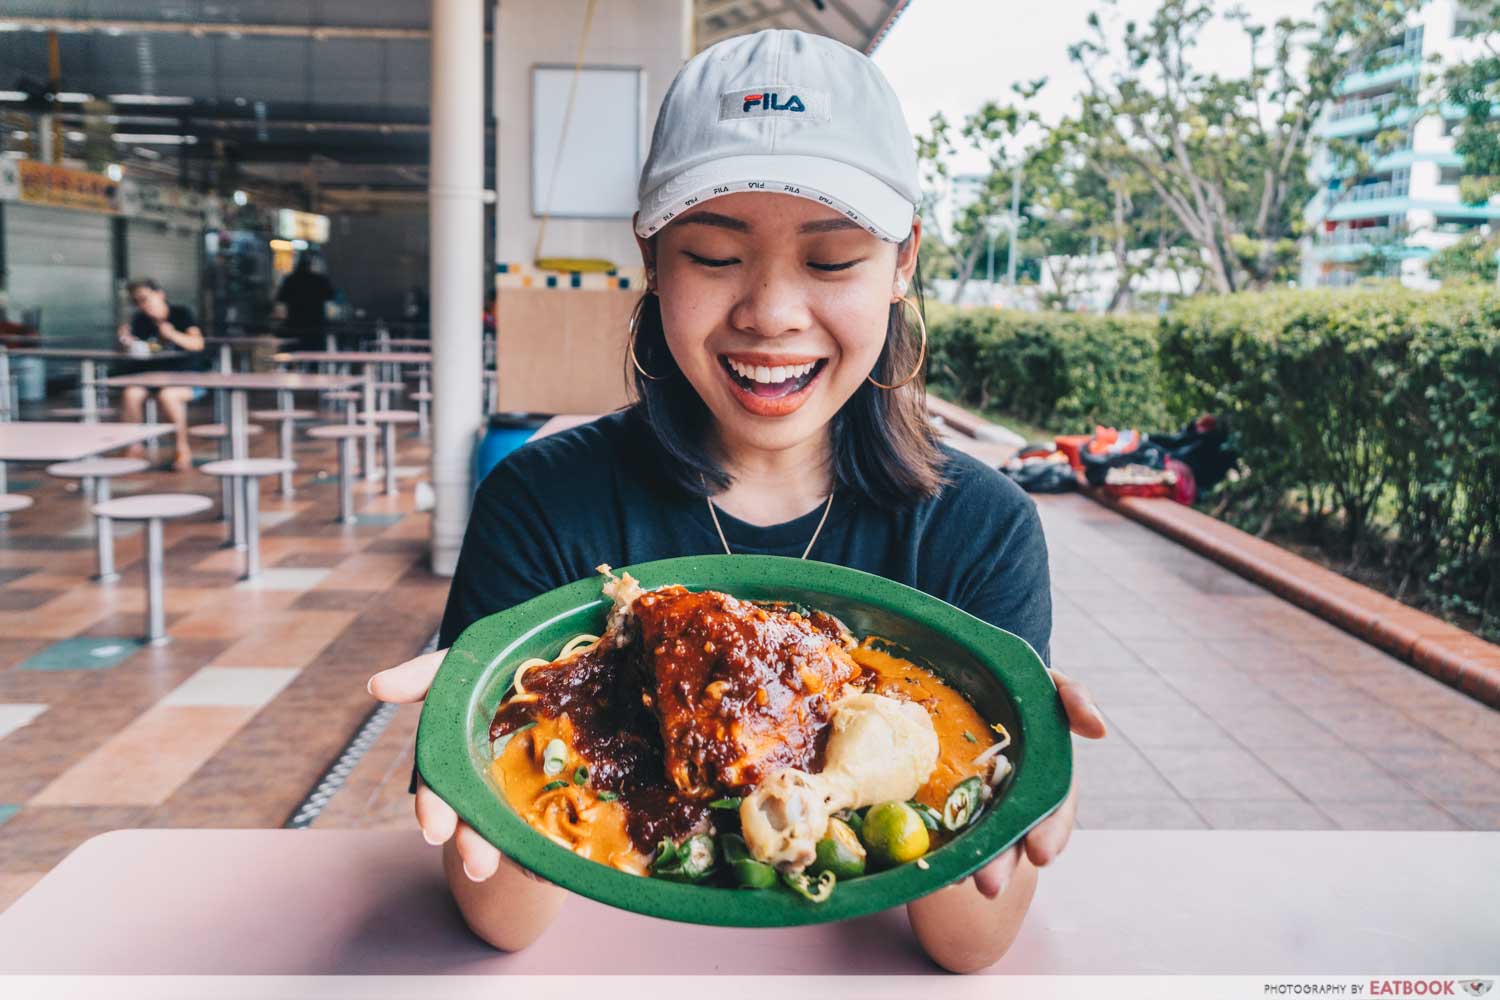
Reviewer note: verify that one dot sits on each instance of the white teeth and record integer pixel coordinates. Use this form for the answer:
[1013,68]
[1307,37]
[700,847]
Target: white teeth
[767,374]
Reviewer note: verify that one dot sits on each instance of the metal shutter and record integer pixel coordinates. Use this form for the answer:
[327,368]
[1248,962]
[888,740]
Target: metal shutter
[60,260]
[169,253]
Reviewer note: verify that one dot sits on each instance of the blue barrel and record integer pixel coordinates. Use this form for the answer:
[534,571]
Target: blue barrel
[504,434]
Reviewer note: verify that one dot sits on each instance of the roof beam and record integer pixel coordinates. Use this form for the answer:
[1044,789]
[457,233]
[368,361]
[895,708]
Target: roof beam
[201,29]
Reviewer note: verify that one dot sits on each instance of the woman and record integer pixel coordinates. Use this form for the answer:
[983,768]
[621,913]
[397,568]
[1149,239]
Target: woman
[778,365]
[165,331]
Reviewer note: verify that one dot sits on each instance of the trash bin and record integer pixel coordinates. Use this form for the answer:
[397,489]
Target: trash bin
[31,379]
[504,433]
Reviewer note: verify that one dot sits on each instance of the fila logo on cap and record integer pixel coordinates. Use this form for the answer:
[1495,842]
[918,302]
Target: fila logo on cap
[779,101]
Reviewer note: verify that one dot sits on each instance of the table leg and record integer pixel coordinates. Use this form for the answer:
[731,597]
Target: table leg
[389,436]
[104,528]
[150,415]
[346,480]
[226,494]
[156,618]
[226,359]
[251,504]
[238,449]
[86,388]
[5,395]
[369,406]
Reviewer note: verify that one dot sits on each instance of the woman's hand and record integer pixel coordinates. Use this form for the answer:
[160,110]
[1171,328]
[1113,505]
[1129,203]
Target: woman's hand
[406,684]
[1047,839]
[124,336]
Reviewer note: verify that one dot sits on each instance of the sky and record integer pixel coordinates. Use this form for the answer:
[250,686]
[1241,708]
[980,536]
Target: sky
[953,55]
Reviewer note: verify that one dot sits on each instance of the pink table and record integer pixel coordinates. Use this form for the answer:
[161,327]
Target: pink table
[65,441]
[291,902]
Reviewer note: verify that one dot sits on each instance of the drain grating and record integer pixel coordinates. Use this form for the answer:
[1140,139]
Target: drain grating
[333,779]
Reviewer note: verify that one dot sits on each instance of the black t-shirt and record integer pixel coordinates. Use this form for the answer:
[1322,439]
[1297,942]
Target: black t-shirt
[557,507]
[143,327]
[305,294]
[170,355]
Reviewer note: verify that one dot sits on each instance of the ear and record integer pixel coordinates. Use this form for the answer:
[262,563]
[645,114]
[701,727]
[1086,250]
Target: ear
[647,246]
[906,253]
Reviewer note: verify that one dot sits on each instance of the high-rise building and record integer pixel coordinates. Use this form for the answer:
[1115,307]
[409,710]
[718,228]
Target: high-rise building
[1392,220]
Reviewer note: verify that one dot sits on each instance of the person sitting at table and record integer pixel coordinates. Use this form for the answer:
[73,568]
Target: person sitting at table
[164,331]
[777,356]
[303,301]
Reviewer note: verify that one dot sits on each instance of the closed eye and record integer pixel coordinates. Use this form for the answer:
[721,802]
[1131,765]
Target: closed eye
[710,261]
[834,267]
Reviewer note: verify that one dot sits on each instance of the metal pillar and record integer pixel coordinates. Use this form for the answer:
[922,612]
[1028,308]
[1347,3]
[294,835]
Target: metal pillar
[456,201]
[104,528]
[156,616]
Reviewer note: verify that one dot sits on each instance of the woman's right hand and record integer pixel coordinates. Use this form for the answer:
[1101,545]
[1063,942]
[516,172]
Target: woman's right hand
[123,335]
[407,684]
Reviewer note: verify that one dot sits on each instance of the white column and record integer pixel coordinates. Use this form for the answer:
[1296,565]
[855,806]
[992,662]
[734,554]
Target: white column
[456,283]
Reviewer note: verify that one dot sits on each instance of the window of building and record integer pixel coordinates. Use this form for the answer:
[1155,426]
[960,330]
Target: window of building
[1450,175]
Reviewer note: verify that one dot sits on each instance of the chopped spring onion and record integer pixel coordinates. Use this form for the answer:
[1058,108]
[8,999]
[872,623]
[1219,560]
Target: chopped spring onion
[608,796]
[504,741]
[814,891]
[729,802]
[581,775]
[970,737]
[553,786]
[692,861]
[554,757]
[930,816]
[962,805]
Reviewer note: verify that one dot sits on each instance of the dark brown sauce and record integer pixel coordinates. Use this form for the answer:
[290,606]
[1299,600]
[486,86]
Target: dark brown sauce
[615,733]
[709,696]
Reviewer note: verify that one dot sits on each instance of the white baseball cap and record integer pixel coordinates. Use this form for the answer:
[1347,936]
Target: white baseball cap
[786,112]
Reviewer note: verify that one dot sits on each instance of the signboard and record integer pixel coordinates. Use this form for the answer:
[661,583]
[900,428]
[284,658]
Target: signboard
[294,225]
[46,184]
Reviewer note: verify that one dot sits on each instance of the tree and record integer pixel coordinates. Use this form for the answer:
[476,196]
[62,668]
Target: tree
[995,131]
[1228,156]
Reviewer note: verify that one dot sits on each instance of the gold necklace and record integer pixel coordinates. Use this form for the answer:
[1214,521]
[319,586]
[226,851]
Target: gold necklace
[810,542]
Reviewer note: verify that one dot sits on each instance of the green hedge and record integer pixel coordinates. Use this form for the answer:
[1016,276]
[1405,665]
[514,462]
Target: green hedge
[1062,370]
[1380,408]
[1376,411]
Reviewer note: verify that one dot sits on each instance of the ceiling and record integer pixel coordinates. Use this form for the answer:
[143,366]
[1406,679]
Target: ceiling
[292,92]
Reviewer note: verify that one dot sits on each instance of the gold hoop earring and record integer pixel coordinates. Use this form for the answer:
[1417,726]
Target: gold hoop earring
[921,352]
[633,326]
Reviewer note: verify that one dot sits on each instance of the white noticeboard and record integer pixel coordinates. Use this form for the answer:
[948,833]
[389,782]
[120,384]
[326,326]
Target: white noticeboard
[595,175]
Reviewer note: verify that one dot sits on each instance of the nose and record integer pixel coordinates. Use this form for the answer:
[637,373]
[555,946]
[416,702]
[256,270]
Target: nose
[773,304]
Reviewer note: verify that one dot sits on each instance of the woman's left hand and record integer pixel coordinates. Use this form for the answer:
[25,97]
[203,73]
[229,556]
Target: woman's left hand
[1047,839]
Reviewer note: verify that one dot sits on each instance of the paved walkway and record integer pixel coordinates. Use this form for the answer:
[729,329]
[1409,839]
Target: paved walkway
[1232,709]
[1228,707]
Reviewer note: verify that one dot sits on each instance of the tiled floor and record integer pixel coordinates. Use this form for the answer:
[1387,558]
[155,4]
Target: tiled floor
[1228,708]
[234,721]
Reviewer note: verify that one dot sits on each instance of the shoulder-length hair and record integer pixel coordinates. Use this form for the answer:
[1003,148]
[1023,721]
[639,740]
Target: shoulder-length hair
[884,448]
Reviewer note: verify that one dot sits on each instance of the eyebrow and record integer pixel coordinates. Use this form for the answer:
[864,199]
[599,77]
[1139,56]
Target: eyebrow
[741,226]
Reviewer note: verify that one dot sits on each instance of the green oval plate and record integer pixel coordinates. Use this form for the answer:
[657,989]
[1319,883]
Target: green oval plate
[998,672]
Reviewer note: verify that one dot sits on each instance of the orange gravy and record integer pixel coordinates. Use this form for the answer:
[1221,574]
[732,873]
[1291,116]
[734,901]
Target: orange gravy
[952,717]
[574,817]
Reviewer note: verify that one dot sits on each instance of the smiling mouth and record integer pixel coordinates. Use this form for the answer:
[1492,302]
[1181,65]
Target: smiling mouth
[771,382]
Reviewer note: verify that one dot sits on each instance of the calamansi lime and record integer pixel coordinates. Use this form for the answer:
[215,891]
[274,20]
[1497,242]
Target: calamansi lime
[894,834]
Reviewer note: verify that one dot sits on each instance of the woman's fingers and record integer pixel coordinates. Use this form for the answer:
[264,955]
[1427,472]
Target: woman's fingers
[480,858]
[436,817]
[1084,717]
[409,681]
[993,877]
[1048,838]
